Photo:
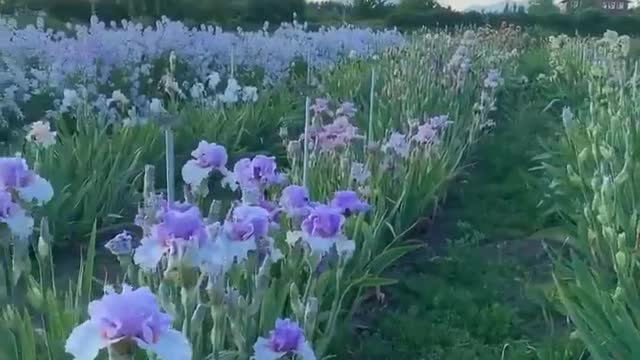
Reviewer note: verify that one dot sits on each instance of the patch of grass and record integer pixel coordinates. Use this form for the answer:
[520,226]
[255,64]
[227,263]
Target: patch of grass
[461,307]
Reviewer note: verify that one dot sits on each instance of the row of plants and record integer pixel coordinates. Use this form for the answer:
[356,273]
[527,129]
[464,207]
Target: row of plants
[253,261]
[588,170]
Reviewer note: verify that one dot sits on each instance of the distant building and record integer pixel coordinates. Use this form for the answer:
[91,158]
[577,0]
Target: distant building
[616,7]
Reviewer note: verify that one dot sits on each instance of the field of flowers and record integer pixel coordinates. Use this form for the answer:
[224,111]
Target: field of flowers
[254,195]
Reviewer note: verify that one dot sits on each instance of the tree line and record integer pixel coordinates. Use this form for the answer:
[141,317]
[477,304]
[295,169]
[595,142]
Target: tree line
[406,15]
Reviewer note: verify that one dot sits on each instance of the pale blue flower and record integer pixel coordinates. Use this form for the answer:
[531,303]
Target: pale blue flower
[130,316]
[286,339]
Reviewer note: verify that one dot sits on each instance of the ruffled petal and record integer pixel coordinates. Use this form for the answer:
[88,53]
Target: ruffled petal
[193,174]
[20,224]
[85,341]
[149,254]
[306,352]
[39,190]
[293,237]
[170,345]
[262,351]
[319,245]
[239,250]
[345,247]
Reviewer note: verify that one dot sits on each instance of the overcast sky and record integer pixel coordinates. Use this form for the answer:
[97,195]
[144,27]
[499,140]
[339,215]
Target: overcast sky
[462,4]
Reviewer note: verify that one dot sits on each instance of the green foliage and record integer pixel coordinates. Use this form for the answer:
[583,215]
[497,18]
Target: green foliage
[543,7]
[459,306]
[275,11]
[594,181]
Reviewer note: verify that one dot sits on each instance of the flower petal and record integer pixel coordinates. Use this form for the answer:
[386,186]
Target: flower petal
[306,352]
[149,254]
[239,250]
[20,224]
[319,244]
[293,237]
[345,247]
[170,345]
[39,190]
[193,174]
[85,341]
[262,351]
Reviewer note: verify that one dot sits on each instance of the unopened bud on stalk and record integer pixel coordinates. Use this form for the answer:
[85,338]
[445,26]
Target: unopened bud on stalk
[607,189]
[617,294]
[283,133]
[583,156]
[311,313]
[623,176]
[149,187]
[609,233]
[606,151]
[293,149]
[44,249]
[296,303]
[34,295]
[573,176]
[622,241]
[215,210]
[172,61]
[198,317]
[621,260]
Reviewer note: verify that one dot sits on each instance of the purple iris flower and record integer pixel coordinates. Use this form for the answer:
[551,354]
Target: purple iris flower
[349,202]
[18,221]
[16,175]
[322,229]
[180,228]
[347,109]
[286,339]
[121,244]
[295,201]
[206,158]
[132,316]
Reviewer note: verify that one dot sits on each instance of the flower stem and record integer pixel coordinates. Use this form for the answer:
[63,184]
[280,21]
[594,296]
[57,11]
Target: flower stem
[118,352]
[168,140]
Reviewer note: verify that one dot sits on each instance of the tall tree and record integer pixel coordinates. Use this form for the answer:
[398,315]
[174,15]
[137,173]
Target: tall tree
[543,7]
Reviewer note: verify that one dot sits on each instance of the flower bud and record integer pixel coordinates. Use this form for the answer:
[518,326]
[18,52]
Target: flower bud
[283,133]
[296,303]
[622,260]
[617,294]
[149,189]
[198,317]
[44,249]
[310,314]
[583,156]
[34,295]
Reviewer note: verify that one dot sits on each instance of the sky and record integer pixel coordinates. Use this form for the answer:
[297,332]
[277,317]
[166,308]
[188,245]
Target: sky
[463,4]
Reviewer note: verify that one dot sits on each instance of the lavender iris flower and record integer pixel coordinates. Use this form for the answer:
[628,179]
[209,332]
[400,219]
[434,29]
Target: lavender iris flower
[239,236]
[295,201]
[121,244]
[253,175]
[15,175]
[398,144]
[360,173]
[286,339]
[18,221]
[180,230]
[322,229]
[347,109]
[349,202]
[129,317]
[206,158]
[321,107]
